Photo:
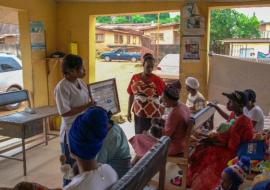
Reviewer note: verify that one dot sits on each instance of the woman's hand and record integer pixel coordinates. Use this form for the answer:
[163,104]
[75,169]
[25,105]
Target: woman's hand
[91,103]
[129,117]
[211,104]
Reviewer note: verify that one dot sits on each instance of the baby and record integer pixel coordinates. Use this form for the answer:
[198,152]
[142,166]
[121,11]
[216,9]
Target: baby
[233,176]
[66,168]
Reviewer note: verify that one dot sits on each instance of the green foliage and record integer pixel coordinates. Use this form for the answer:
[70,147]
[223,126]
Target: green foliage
[138,19]
[120,20]
[164,18]
[228,23]
[104,19]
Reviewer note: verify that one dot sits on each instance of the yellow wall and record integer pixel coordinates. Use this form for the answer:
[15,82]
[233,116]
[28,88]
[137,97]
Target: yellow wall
[34,67]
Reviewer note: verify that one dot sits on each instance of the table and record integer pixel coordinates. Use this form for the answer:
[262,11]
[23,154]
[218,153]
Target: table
[24,125]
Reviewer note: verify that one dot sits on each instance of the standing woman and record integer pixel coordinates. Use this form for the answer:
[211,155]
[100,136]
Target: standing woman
[144,90]
[72,98]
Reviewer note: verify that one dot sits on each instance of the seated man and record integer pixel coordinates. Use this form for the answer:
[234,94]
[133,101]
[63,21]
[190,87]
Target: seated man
[85,141]
[115,149]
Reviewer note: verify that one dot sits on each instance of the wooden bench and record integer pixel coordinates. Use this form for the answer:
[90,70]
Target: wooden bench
[195,121]
[152,162]
[23,124]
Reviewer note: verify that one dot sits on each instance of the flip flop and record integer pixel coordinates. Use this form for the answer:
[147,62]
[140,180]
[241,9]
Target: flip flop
[177,181]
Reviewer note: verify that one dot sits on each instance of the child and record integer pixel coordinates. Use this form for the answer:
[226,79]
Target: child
[66,168]
[195,101]
[233,176]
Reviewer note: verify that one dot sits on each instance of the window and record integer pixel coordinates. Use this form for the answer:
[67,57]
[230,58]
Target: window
[155,35]
[99,38]
[134,39]
[116,40]
[128,39]
[247,52]
[9,64]
[121,39]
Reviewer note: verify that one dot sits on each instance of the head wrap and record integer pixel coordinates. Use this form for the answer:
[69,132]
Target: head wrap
[237,96]
[192,83]
[87,133]
[238,171]
[263,185]
[251,95]
[172,91]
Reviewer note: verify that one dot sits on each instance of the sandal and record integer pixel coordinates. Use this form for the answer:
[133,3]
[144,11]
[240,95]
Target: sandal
[177,181]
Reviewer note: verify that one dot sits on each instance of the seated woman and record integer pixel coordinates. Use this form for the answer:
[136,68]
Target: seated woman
[85,141]
[175,125]
[230,118]
[195,100]
[254,112]
[211,157]
[115,149]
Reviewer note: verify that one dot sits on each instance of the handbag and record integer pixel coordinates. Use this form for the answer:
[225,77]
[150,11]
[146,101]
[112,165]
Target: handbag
[255,150]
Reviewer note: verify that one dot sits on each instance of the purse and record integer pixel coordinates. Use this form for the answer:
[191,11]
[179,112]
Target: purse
[255,150]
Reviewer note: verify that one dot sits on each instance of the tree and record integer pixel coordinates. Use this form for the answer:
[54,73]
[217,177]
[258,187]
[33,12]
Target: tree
[151,18]
[228,23]
[104,19]
[120,20]
[138,19]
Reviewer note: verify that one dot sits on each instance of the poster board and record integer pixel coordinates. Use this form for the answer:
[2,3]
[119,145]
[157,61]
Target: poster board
[104,93]
[193,23]
[37,36]
[192,48]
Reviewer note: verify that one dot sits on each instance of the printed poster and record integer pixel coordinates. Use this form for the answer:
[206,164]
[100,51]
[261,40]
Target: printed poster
[191,48]
[37,35]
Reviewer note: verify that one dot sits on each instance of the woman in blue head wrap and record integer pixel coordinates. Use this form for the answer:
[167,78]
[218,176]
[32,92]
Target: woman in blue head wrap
[85,141]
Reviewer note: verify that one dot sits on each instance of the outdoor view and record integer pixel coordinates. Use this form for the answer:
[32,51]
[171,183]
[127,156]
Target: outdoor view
[121,41]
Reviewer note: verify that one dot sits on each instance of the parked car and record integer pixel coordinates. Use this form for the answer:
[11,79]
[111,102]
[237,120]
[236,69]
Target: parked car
[120,54]
[11,78]
[168,68]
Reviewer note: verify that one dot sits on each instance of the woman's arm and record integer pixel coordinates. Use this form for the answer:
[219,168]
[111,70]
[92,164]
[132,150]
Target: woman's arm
[130,102]
[77,110]
[220,111]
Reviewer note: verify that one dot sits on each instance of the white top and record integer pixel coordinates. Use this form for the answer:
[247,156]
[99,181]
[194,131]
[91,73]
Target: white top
[198,101]
[256,114]
[68,96]
[99,179]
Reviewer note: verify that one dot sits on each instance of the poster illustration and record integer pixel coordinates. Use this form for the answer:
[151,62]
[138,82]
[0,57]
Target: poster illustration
[104,93]
[191,48]
[37,35]
[193,22]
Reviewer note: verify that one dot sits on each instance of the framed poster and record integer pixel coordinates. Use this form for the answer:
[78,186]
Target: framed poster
[104,93]
[191,48]
[193,23]
[37,35]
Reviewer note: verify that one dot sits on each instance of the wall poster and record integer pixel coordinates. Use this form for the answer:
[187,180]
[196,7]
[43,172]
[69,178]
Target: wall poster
[191,48]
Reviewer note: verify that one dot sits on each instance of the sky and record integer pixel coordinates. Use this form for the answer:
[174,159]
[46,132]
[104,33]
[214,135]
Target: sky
[262,13]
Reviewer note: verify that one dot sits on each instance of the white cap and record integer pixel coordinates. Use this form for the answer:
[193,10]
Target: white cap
[192,83]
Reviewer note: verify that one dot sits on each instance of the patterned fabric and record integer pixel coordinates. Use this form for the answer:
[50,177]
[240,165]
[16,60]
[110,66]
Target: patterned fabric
[146,96]
[210,161]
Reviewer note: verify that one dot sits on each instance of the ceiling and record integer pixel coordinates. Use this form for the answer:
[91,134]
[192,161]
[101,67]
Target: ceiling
[218,1]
